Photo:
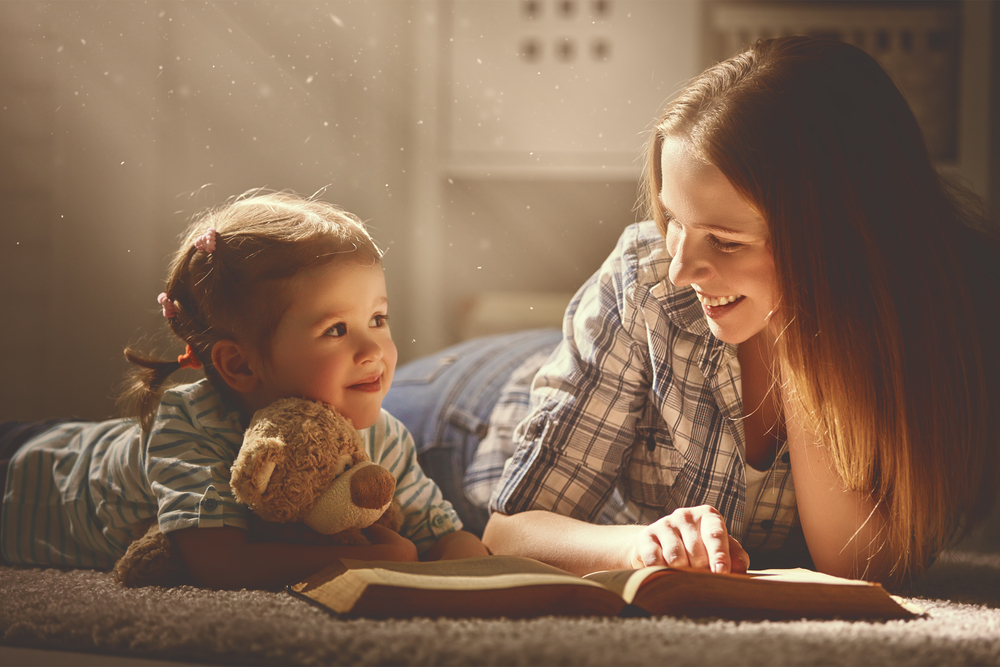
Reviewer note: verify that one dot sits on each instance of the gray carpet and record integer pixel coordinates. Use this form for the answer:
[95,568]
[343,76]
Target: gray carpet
[85,611]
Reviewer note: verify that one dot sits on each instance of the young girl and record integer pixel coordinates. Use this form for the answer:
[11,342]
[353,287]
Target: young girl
[794,361]
[274,296]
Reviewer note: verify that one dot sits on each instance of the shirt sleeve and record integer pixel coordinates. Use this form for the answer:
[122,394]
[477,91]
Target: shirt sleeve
[188,472]
[585,402]
[427,516]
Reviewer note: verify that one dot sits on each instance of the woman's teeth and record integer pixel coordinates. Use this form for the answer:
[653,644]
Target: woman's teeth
[718,301]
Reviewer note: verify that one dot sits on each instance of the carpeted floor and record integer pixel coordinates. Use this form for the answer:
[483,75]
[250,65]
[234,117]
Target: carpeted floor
[85,611]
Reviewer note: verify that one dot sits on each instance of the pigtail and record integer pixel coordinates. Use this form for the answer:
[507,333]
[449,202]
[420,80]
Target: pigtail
[146,381]
[144,386]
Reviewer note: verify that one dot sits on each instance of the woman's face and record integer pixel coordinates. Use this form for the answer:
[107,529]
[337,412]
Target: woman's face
[719,245]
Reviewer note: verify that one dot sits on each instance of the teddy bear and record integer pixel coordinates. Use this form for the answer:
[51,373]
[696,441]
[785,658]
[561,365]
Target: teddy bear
[303,471]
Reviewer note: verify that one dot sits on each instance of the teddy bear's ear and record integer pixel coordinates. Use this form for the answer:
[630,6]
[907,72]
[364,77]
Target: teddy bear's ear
[252,470]
[262,477]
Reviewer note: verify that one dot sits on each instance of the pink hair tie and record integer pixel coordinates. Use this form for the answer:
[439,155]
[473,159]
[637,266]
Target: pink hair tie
[169,309]
[206,242]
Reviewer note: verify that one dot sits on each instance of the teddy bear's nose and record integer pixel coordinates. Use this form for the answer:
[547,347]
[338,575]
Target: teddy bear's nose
[372,487]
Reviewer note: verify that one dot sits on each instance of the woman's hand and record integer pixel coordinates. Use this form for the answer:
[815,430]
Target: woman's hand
[690,537]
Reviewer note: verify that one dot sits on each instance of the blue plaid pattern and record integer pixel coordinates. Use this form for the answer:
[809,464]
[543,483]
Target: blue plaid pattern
[638,412]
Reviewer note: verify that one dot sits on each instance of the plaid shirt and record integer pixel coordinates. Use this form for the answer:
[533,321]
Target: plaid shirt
[639,412]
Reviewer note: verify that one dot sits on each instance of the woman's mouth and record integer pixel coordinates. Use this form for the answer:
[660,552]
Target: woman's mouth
[717,306]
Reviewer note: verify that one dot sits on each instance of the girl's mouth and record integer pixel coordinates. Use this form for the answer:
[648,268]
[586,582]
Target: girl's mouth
[370,386]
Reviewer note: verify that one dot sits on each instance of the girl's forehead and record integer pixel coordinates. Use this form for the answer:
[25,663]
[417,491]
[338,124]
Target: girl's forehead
[342,282]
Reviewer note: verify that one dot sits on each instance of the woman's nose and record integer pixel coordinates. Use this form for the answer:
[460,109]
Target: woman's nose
[688,265]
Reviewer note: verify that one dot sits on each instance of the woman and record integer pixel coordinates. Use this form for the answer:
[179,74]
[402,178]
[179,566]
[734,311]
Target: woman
[806,368]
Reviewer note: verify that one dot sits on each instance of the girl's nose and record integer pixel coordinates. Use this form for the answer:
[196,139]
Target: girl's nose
[368,349]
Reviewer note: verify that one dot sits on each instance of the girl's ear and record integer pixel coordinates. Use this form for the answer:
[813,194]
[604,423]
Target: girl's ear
[233,363]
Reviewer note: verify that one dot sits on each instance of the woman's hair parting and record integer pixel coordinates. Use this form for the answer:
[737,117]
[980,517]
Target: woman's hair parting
[887,276]
[227,281]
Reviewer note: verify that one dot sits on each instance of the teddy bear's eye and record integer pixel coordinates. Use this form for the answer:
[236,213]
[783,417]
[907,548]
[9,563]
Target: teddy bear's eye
[347,467]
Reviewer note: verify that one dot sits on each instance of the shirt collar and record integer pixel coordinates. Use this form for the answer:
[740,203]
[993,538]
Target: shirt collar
[680,304]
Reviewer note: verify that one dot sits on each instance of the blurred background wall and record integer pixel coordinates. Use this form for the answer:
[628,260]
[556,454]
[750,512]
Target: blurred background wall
[493,146]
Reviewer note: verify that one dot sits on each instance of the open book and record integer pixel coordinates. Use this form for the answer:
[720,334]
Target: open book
[514,587]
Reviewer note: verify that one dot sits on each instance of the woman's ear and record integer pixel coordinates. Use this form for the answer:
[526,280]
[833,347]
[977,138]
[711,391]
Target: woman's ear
[233,363]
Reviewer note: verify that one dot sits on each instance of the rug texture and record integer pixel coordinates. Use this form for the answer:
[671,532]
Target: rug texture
[86,611]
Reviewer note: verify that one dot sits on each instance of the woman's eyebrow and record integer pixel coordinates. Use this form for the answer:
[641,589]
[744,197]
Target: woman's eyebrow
[724,230]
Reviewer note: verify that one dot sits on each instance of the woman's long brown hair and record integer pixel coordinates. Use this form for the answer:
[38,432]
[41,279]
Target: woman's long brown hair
[888,278]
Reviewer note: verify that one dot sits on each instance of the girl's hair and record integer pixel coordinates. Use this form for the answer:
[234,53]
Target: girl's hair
[887,277]
[238,290]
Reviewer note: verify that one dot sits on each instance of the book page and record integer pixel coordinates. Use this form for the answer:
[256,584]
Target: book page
[486,586]
[625,583]
[804,576]
[480,566]
[484,572]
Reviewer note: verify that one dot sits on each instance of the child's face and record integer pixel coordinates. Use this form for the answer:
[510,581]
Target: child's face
[333,342]
[719,244]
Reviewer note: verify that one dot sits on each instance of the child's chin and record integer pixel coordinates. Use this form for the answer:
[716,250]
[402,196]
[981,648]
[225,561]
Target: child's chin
[362,420]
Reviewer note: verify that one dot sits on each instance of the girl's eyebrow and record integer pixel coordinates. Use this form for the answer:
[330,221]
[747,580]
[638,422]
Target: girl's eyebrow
[338,315]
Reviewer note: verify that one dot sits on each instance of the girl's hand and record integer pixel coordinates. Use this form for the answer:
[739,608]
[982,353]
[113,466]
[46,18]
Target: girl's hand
[690,537]
[397,547]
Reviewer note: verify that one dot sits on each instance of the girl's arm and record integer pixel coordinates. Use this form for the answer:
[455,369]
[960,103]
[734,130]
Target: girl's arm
[225,558]
[693,537]
[459,544]
[843,528]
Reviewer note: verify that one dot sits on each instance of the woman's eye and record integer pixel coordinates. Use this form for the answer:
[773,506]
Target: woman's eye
[379,321]
[724,246]
[337,330]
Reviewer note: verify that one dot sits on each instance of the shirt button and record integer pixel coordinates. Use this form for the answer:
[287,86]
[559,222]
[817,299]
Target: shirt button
[767,524]
[209,504]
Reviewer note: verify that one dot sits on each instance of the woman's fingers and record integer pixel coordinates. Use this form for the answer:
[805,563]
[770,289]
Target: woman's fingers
[690,537]
[738,557]
[715,541]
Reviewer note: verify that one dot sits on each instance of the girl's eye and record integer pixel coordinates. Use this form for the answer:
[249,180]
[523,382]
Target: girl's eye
[724,246]
[379,321]
[337,330]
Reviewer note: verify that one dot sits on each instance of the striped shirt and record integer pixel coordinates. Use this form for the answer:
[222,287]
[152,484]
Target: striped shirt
[76,493]
[638,412]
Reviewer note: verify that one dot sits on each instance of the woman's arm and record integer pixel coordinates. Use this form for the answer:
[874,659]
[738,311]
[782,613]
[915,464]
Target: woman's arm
[225,558]
[843,528]
[690,537]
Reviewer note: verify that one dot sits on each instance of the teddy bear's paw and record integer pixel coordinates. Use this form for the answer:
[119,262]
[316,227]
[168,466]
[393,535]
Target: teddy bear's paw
[151,560]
